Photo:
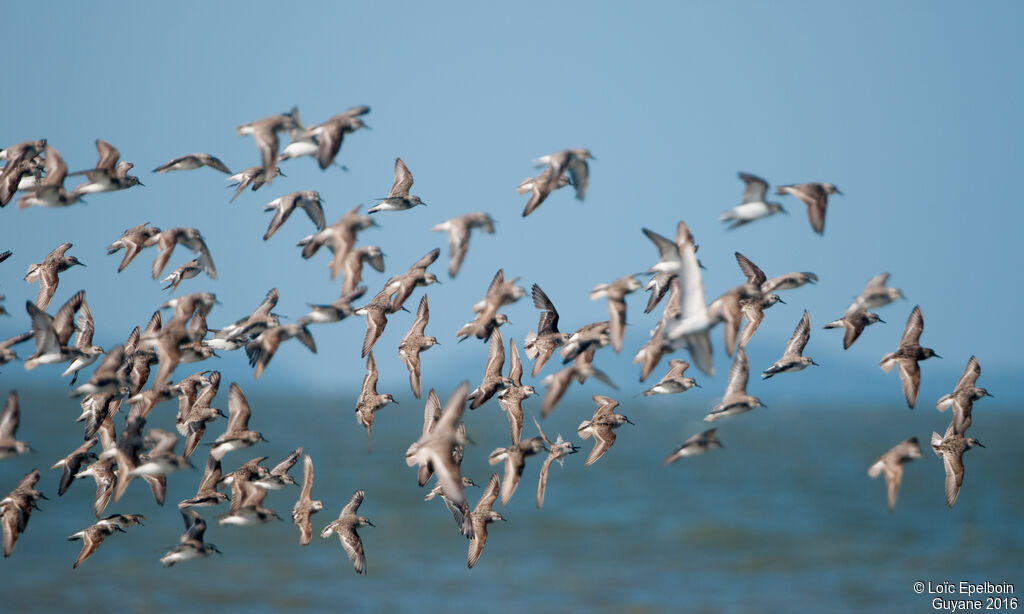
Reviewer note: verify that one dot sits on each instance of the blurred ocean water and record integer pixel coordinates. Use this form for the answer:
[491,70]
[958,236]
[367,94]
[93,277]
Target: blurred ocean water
[785,511]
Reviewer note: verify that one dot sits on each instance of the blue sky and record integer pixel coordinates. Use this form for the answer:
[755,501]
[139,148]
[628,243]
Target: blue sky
[912,109]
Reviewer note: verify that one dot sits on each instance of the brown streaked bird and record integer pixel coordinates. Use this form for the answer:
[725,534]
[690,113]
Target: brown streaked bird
[207,494]
[572,161]
[398,199]
[540,187]
[907,355]
[237,435]
[49,191]
[891,465]
[402,286]
[735,400]
[601,426]
[283,206]
[252,176]
[21,159]
[793,359]
[109,175]
[192,161]
[248,471]
[16,508]
[130,458]
[247,505]
[47,271]
[190,269]
[649,356]
[102,472]
[589,337]
[875,294]
[481,516]
[340,309]
[459,229]
[499,293]
[252,325]
[264,132]
[514,457]
[166,240]
[674,381]
[353,266]
[369,401]
[433,449]
[92,537]
[754,206]
[541,345]
[616,293]
[557,451]
[330,134]
[345,526]
[132,241]
[195,415]
[277,478]
[51,334]
[950,449]
[431,414]
[414,342]
[963,397]
[510,399]
[72,463]
[306,506]
[815,196]
[191,545]
[261,349]
[493,381]
[339,237]
[697,444]
[10,418]
[376,312]
[854,323]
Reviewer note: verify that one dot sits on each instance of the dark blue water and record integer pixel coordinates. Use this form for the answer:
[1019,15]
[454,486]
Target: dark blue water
[785,516]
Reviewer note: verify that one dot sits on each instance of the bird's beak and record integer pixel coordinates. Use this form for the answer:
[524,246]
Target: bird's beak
[977,443]
[936,355]
[882,321]
[629,421]
[783,209]
[782,301]
[988,394]
[262,438]
[142,184]
[697,385]
[370,523]
[815,364]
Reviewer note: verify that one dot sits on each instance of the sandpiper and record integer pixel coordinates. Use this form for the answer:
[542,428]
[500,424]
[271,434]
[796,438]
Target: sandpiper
[330,133]
[753,206]
[493,381]
[283,206]
[402,286]
[616,293]
[815,196]
[376,312]
[191,545]
[540,187]
[102,472]
[345,526]
[253,176]
[188,237]
[481,516]
[875,294]
[891,464]
[353,266]
[72,463]
[601,426]
[47,271]
[49,191]
[277,478]
[306,506]
[92,537]
[674,381]
[514,457]
[950,449]
[557,451]
[261,349]
[459,230]
[854,323]
[369,401]
[247,505]
[16,508]
[190,269]
[132,241]
[10,417]
[21,159]
[192,161]
[510,399]
[963,397]
[907,356]
[572,161]
[414,342]
[735,400]
[340,309]
[108,378]
[51,334]
[434,447]
[339,237]
[264,132]
[207,494]
[540,345]
[398,199]
[793,359]
[697,444]
[649,356]
[558,382]
[109,175]
[237,435]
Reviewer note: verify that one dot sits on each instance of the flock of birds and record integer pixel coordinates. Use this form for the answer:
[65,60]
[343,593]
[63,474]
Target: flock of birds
[37,171]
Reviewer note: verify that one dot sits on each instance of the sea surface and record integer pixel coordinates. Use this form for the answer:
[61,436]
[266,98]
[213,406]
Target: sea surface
[783,517]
